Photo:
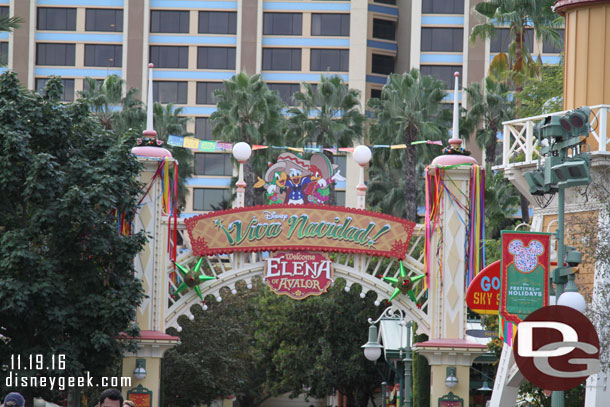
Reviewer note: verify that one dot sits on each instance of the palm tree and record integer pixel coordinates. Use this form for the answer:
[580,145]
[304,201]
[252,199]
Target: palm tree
[489,107]
[248,111]
[9,23]
[517,65]
[328,116]
[113,110]
[409,110]
[167,120]
[520,16]
[501,204]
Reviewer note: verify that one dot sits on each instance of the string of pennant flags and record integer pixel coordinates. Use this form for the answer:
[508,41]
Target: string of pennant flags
[222,146]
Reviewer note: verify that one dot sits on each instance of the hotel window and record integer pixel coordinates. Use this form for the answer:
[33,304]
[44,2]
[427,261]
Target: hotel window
[67,96]
[170,92]
[169,57]
[382,64]
[217,22]
[3,53]
[442,39]
[211,199]
[205,92]
[443,6]
[203,128]
[376,93]
[213,164]
[55,18]
[502,39]
[282,59]
[330,24]
[162,21]
[282,24]
[286,90]
[104,20]
[443,73]
[384,29]
[215,58]
[336,60]
[386,1]
[4,11]
[55,54]
[549,48]
[103,55]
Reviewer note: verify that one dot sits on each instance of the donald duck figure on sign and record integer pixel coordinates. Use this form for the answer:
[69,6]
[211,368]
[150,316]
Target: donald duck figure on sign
[293,180]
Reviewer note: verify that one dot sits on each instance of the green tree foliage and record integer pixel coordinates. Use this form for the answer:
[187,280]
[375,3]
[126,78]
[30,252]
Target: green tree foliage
[257,344]
[516,66]
[409,110]
[167,120]
[488,108]
[125,113]
[113,110]
[328,116]
[66,275]
[519,16]
[217,355]
[314,344]
[10,23]
[501,204]
[248,111]
[543,95]
[421,376]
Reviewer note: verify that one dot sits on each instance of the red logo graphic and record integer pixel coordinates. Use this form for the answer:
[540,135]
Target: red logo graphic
[556,348]
[299,274]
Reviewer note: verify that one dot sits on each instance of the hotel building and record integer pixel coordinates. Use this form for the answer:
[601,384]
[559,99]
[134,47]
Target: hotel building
[196,44]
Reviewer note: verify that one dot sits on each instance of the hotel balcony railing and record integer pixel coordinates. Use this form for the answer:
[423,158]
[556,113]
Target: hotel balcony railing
[520,145]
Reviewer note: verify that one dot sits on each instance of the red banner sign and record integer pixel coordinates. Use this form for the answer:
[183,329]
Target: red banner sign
[299,227]
[298,274]
[483,295]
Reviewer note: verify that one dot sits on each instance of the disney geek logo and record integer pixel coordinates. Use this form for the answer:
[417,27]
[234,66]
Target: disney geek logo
[557,348]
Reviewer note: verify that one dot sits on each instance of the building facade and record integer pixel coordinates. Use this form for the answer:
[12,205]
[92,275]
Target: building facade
[196,44]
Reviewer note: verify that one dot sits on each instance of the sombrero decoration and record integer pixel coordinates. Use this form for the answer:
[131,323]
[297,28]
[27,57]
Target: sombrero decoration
[321,168]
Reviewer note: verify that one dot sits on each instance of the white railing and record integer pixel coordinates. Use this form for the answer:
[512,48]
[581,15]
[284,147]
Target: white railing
[519,143]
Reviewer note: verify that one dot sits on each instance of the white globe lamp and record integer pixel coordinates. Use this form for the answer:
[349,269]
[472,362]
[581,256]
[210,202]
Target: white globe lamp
[362,155]
[242,151]
[372,349]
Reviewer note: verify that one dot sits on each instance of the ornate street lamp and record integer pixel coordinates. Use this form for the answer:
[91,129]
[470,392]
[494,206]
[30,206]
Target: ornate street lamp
[391,320]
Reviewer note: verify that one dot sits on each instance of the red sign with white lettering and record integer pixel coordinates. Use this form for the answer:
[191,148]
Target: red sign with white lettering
[483,295]
[299,274]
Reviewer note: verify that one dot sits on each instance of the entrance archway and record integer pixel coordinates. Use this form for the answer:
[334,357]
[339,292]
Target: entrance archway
[362,269]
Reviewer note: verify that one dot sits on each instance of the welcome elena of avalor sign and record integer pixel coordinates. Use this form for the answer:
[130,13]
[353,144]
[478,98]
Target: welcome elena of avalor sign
[298,274]
[299,227]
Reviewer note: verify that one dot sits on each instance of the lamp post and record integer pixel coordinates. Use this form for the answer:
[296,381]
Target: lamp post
[241,152]
[362,155]
[565,165]
[372,350]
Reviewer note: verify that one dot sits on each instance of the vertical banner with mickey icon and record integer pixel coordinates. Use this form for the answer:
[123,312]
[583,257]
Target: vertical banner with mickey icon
[525,274]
